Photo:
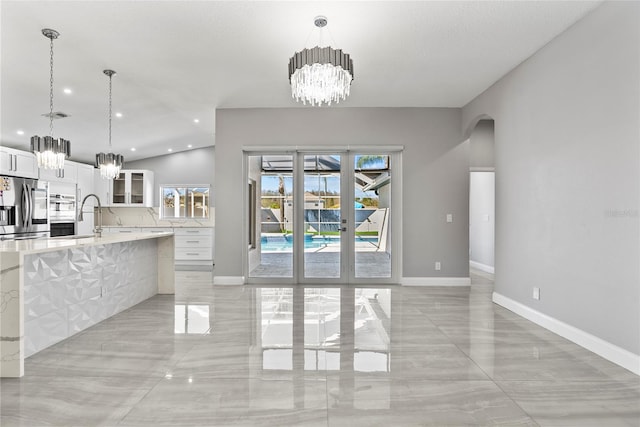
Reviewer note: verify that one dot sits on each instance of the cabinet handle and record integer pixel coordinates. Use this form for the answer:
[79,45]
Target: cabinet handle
[15,162]
[193,241]
[193,231]
[193,253]
[126,231]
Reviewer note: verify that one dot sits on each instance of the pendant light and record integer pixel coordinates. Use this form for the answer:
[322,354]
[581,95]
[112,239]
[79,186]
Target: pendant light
[109,163]
[321,74]
[50,152]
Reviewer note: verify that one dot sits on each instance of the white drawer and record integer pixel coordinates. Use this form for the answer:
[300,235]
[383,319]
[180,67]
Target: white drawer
[156,230]
[124,230]
[193,254]
[195,241]
[201,231]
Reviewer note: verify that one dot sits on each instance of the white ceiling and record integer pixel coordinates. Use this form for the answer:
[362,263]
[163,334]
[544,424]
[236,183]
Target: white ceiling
[177,61]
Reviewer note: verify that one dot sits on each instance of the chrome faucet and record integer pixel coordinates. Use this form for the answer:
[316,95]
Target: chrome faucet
[97,230]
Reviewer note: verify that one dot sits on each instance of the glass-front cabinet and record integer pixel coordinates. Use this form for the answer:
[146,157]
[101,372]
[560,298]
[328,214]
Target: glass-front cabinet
[132,188]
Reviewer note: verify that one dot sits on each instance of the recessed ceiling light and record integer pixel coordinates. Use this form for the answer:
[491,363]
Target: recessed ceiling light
[133,149]
[170,150]
[20,132]
[67,90]
[189,146]
[118,114]
[196,120]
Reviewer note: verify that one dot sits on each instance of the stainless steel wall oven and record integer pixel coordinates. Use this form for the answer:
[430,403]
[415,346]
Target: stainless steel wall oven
[62,208]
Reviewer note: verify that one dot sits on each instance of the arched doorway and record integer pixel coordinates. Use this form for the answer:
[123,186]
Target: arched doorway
[482,202]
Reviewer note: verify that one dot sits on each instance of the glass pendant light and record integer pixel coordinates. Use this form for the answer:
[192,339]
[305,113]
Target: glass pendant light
[50,152]
[109,163]
[321,74]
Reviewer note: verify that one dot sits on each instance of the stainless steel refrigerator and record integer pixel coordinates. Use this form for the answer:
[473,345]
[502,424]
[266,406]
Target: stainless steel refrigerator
[24,208]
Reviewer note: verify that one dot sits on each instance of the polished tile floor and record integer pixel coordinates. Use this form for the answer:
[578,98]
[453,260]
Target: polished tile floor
[337,356]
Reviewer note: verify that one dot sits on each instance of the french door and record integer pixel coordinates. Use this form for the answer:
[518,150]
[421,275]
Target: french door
[321,217]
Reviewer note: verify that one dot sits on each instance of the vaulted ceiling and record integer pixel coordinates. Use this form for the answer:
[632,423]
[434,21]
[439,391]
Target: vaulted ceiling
[177,61]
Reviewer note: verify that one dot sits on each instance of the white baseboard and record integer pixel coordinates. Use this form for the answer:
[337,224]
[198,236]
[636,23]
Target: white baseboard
[228,280]
[435,281]
[602,348]
[482,267]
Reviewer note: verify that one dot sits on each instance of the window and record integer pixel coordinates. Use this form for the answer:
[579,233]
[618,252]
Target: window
[184,201]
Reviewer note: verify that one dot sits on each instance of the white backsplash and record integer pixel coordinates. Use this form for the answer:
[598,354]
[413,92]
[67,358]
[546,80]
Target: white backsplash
[149,217]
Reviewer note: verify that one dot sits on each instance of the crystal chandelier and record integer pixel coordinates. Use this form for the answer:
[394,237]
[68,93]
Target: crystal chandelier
[321,74]
[50,152]
[109,163]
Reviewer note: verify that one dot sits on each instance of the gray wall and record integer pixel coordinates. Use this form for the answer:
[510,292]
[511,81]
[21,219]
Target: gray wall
[435,174]
[568,176]
[185,167]
[481,145]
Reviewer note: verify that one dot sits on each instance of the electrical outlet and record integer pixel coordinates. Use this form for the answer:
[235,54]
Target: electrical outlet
[536,293]
[437,265]
[449,217]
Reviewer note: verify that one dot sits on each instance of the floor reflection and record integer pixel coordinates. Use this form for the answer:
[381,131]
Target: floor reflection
[335,324]
[192,319]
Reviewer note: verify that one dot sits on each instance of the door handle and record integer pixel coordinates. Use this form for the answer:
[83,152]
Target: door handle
[24,207]
[30,199]
[343,229]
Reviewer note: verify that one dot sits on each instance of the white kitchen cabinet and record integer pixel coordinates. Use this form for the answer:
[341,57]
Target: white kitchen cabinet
[132,188]
[102,188]
[67,174]
[156,230]
[85,227]
[194,246]
[121,229]
[85,186]
[18,163]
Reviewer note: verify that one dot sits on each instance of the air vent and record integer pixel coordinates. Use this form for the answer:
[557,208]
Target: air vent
[56,115]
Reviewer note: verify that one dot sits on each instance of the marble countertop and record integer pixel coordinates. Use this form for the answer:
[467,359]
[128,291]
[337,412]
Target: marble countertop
[57,243]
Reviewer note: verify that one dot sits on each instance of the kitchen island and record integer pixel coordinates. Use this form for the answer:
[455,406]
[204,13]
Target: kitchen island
[51,289]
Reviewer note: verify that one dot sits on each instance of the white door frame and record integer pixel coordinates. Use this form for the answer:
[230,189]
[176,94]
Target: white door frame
[347,154]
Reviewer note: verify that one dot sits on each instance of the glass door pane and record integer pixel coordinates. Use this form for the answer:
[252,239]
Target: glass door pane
[119,189]
[270,189]
[322,216]
[137,188]
[372,239]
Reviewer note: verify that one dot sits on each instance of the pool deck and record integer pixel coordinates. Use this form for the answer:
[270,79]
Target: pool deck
[323,263]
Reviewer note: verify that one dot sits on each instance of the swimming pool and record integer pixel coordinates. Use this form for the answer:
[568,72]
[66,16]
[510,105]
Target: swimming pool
[284,243]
